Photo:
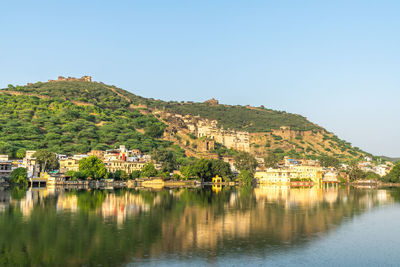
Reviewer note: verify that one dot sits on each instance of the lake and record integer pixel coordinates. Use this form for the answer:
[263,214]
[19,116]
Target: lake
[276,226]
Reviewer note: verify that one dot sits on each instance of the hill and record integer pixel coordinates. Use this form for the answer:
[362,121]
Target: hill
[75,116]
[390,159]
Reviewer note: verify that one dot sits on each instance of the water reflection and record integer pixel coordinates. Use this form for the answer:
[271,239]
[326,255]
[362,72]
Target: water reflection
[107,227]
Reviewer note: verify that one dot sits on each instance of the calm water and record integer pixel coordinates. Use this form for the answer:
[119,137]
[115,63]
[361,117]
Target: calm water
[234,227]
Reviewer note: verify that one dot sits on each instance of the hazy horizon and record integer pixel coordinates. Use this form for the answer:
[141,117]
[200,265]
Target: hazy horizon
[335,63]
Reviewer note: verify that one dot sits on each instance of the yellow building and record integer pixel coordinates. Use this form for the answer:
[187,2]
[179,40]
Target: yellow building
[331,177]
[285,176]
[274,176]
[126,166]
[69,164]
[308,172]
[217,180]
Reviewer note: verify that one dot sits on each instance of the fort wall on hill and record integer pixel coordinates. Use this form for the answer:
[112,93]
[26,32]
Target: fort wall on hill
[69,79]
[205,128]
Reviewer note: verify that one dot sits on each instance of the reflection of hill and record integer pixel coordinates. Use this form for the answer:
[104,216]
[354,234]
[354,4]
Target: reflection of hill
[277,216]
[68,228]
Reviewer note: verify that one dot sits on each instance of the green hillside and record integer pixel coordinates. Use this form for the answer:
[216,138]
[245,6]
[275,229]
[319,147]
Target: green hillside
[30,122]
[390,159]
[243,118]
[76,116]
[230,117]
[94,93]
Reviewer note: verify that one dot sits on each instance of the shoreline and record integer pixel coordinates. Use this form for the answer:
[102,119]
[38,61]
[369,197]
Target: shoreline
[159,183]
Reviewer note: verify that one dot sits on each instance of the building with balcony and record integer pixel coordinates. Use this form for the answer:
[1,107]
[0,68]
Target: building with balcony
[5,169]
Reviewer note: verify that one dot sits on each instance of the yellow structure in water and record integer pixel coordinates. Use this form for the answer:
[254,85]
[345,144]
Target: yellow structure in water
[217,188]
[44,178]
[217,180]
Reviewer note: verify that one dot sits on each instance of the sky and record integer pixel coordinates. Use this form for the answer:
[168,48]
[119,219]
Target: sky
[335,62]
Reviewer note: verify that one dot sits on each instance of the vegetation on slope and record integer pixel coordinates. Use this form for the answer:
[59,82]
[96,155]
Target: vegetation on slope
[47,115]
[242,118]
[232,117]
[28,122]
[312,145]
[93,93]
[390,159]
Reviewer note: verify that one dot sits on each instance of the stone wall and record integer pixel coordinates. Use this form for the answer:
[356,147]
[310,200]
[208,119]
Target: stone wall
[82,79]
[205,128]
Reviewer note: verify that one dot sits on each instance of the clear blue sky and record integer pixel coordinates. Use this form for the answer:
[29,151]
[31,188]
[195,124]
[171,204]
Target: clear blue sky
[335,62]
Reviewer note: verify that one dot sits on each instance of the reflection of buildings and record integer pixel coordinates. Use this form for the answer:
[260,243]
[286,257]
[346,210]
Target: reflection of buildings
[33,197]
[206,228]
[297,196]
[67,202]
[275,193]
[114,206]
[120,207]
[278,215]
[193,220]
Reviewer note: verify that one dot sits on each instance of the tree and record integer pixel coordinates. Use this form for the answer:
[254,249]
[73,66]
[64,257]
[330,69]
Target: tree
[19,177]
[221,168]
[121,175]
[245,161]
[75,175]
[202,169]
[92,167]
[20,153]
[187,171]
[394,175]
[166,158]
[148,170]
[47,160]
[271,161]
[18,192]
[372,176]
[327,161]
[134,175]
[246,177]
[355,172]
[154,130]
[176,176]
[162,174]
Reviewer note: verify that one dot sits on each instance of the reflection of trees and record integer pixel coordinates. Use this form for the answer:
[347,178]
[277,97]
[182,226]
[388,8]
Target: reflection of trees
[180,220]
[90,200]
[18,192]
